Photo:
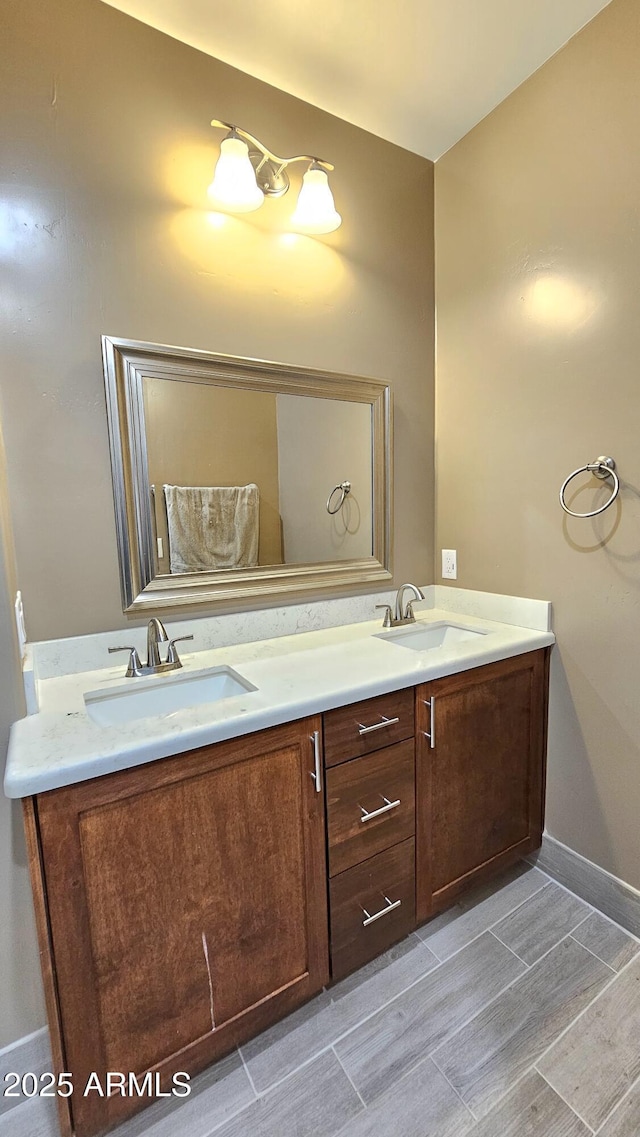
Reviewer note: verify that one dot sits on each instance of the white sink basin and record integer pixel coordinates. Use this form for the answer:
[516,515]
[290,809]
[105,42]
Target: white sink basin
[146,698]
[425,637]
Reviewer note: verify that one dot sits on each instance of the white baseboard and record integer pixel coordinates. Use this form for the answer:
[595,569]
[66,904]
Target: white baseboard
[617,899]
[31,1054]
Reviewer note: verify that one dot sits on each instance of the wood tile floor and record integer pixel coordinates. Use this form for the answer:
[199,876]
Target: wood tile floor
[514,1014]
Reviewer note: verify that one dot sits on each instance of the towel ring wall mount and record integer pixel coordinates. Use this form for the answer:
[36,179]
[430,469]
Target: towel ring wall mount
[602,468]
[343,488]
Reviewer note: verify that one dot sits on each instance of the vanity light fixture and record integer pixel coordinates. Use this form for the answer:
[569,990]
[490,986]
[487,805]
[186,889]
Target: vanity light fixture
[246,172]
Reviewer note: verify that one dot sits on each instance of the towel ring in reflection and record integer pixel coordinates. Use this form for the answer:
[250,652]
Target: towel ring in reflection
[603,467]
[343,489]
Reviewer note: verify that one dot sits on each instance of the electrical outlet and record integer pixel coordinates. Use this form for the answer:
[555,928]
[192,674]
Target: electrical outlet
[450,564]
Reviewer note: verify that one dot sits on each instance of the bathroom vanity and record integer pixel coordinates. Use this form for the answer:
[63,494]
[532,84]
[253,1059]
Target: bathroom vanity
[185,904]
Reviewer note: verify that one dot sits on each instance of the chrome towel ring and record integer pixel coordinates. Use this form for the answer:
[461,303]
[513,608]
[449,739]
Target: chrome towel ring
[343,489]
[603,467]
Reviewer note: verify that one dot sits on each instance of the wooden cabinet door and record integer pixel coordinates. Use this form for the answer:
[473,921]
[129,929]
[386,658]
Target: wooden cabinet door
[187,907]
[481,744]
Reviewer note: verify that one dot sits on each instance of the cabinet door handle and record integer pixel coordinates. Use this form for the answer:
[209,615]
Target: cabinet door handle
[316,773]
[390,905]
[377,725]
[431,733]
[378,812]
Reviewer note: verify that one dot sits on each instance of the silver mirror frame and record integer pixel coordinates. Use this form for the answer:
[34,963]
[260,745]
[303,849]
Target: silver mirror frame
[126,363]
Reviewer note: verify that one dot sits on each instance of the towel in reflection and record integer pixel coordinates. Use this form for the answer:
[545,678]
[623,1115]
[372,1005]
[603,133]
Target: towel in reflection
[212,527]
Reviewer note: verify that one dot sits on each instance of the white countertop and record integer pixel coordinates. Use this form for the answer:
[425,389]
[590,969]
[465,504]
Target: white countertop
[295,676]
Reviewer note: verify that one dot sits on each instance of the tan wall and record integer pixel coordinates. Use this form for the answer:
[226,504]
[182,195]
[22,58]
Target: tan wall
[107,151]
[321,442]
[538,278]
[104,228]
[21,999]
[199,435]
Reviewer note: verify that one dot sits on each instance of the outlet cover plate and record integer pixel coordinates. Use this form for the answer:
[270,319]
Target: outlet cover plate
[449,564]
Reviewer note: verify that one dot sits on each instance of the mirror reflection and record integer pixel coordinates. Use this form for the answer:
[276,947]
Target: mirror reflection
[241,478]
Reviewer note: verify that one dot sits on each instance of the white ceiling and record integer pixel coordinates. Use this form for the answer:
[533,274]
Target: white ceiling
[419,73]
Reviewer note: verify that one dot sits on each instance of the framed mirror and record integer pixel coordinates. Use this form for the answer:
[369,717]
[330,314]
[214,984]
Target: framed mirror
[237,478]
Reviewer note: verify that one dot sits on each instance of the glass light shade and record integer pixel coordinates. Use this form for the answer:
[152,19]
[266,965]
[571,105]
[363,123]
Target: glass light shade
[234,185]
[315,211]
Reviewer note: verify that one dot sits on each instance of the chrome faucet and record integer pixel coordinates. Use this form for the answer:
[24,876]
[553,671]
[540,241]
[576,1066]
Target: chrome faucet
[156,634]
[401,615]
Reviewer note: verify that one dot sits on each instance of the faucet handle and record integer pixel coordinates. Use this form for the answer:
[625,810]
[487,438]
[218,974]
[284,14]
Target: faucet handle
[386,623]
[135,666]
[172,655]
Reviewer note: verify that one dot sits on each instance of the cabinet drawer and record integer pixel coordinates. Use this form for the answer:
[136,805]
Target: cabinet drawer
[363,727]
[370,805]
[383,887]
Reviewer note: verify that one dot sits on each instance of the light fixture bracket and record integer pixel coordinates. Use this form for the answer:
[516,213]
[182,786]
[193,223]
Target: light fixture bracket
[272,179]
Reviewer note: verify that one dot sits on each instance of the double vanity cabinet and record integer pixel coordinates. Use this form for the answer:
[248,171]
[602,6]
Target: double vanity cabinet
[186,904]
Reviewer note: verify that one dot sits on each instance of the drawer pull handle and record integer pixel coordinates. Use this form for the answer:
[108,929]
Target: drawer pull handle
[377,725]
[316,773]
[431,733]
[378,812]
[391,904]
